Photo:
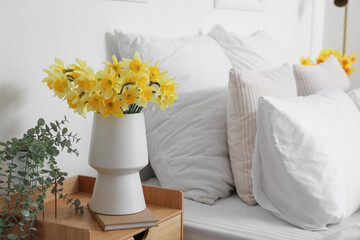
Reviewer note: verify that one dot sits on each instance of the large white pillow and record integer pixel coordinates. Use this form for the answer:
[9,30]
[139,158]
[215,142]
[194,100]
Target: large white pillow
[245,89]
[258,51]
[354,94]
[313,78]
[306,160]
[188,143]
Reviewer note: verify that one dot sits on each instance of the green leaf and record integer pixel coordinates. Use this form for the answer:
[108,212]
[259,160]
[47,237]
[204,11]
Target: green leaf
[34,204]
[34,148]
[30,131]
[41,181]
[41,207]
[11,165]
[2,223]
[13,236]
[25,212]
[77,203]
[54,174]
[40,122]
[50,151]
[53,126]
[3,144]
[64,130]
[22,173]
[27,183]
[48,180]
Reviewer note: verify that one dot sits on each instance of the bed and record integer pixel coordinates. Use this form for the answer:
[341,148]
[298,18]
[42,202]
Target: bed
[188,144]
[230,218]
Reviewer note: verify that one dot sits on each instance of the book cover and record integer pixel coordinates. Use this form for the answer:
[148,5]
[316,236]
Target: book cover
[138,220]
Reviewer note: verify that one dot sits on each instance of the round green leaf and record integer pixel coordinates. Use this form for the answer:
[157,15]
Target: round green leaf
[40,122]
[13,236]
[25,212]
[54,174]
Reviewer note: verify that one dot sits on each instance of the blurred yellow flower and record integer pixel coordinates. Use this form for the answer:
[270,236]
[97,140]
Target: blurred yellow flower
[344,60]
[306,61]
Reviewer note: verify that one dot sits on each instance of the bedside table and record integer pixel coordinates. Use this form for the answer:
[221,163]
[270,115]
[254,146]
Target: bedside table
[166,204]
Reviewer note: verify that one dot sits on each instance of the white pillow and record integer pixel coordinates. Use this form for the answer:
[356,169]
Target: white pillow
[354,94]
[313,78]
[306,161]
[187,143]
[245,88]
[258,51]
[268,48]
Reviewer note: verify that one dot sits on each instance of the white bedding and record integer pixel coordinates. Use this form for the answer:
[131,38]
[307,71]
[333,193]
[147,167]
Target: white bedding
[231,218]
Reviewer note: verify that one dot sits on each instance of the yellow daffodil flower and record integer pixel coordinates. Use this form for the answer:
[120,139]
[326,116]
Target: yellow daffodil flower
[320,60]
[75,102]
[306,61]
[113,106]
[166,95]
[141,81]
[61,85]
[96,103]
[136,66]
[129,96]
[146,95]
[115,65]
[353,57]
[108,82]
[59,66]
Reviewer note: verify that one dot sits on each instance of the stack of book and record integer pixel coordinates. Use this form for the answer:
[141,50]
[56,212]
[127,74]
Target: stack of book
[144,219]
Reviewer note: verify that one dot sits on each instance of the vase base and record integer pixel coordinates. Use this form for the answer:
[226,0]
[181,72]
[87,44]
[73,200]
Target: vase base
[118,194]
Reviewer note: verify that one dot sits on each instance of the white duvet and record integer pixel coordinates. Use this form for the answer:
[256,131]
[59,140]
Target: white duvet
[231,219]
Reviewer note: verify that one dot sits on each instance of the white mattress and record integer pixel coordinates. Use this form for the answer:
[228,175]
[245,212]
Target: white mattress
[231,218]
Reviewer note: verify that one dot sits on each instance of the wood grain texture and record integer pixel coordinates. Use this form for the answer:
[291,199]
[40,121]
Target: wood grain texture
[168,230]
[166,204]
[164,197]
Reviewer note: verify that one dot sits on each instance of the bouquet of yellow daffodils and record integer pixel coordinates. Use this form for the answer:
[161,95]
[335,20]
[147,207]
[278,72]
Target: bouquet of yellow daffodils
[345,60]
[122,87]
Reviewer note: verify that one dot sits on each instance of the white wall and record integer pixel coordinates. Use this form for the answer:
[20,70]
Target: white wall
[334,30]
[33,32]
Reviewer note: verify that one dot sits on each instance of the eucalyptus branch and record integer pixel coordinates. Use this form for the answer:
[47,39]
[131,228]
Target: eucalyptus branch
[29,178]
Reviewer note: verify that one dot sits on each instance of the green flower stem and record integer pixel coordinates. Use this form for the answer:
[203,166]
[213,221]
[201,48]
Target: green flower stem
[126,84]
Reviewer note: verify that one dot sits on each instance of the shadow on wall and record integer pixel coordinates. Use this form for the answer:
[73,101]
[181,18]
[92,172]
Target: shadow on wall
[10,101]
[111,46]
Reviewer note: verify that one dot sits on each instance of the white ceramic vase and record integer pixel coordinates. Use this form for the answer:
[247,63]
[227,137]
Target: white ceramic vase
[118,151]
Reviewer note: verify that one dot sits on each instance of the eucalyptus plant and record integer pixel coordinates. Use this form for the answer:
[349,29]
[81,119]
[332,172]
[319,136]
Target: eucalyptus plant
[27,169]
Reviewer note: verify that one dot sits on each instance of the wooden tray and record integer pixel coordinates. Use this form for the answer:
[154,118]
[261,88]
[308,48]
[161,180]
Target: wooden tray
[166,204]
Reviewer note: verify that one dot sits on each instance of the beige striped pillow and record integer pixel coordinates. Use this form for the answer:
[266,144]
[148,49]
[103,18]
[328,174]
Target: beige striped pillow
[313,78]
[246,87]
